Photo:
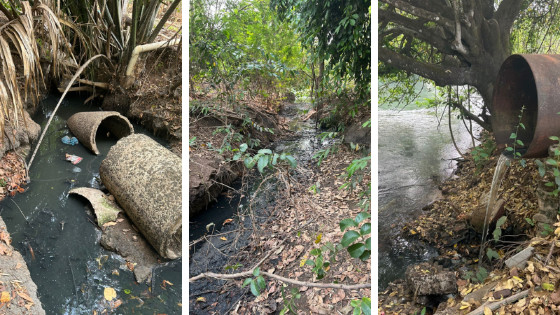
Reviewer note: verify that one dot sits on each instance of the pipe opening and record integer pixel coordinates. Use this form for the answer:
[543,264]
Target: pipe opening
[113,127]
[515,89]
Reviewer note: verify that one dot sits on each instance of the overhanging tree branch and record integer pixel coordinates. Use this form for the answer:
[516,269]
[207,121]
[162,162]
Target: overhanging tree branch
[428,15]
[442,74]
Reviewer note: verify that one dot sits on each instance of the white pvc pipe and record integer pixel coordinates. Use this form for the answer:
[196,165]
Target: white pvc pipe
[147,47]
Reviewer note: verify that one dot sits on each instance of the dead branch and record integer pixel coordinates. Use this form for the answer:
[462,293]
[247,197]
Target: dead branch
[280,278]
[498,304]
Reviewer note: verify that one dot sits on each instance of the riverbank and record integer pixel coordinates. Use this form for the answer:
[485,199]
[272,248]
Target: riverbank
[450,224]
[282,219]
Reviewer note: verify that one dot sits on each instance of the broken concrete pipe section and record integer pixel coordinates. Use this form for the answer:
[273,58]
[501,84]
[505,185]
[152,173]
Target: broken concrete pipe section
[84,126]
[145,179]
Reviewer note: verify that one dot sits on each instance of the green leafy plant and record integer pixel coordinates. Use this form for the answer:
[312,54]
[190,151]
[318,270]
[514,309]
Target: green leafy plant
[480,276]
[321,262]
[361,306]
[289,300]
[517,145]
[2,182]
[355,168]
[264,158]
[481,153]
[358,230]
[324,153]
[257,283]
[547,230]
[550,169]
[233,267]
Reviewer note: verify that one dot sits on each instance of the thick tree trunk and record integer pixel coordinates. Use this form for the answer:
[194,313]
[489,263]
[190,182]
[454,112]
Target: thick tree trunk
[467,41]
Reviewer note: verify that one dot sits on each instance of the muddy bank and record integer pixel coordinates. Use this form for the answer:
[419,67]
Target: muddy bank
[215,134]
[154,100]
[18,291]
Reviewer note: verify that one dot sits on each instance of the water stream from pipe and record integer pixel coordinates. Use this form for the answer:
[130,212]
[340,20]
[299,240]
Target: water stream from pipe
[499,173]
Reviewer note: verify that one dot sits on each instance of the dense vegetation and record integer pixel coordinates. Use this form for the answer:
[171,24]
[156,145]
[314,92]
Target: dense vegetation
[243,50]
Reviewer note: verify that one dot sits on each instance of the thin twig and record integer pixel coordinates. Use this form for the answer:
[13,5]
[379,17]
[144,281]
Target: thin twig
[73,279]
[20,210]
[550,252]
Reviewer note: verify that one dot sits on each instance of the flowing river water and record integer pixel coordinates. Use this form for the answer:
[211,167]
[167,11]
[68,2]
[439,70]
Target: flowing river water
[56,234]
[415,154]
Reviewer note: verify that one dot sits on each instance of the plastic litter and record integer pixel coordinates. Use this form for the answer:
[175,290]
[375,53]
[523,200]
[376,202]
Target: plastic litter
[70,141]
[74,159]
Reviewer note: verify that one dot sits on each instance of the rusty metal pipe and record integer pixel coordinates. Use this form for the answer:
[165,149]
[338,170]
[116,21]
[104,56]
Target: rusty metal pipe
[532,82]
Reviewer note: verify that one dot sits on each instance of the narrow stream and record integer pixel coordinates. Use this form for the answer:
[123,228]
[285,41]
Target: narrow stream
[213,255]
[415,155]
[56,234]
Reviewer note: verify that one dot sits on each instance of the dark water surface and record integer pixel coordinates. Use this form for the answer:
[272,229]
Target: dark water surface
[59,240]
[414,157]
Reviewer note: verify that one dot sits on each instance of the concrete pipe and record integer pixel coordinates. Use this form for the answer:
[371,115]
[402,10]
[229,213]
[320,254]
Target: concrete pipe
[84,126]
[145,179]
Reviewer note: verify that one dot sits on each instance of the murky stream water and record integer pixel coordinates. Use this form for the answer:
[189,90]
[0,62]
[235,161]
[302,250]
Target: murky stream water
[414,156]
[56,234]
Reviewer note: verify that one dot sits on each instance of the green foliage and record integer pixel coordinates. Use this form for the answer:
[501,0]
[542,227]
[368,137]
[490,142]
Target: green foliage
[256,284]
[242,50]
[355,233]
[264,158]
[498,230]
[233,267]
[289,300]
[361,306]
[337,31]
[480,276]
[482,153]
[517,146]
[547,230]
[324,153]
[322,259]
[550,169]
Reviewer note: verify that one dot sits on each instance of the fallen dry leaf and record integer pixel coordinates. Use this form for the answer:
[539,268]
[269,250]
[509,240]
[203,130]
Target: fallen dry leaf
[5,297]
[109,293]
[25,296]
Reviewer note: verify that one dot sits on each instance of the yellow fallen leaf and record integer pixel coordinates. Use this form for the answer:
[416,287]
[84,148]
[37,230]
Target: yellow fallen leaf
[227,221]
[487,311]
[412,232]
[318,239]
[223,238]
[548,286]
[109,294]
[516,278]
[5,297]
[201,299]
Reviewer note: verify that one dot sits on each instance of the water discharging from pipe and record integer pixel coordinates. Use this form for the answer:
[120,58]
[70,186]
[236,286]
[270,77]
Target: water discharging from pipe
[499,172]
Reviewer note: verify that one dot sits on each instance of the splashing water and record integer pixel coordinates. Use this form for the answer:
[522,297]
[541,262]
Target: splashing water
[499,172]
